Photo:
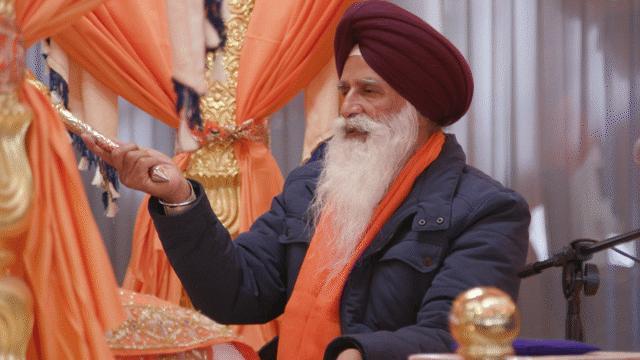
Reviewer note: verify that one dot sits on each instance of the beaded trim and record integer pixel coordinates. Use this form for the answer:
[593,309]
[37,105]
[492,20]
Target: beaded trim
[163,327]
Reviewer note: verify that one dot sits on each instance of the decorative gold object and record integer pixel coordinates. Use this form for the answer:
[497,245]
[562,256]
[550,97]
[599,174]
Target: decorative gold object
[6,9]
[16,312]
[79,127]
[16,180]
[484,321]
[153,324]
[215,164]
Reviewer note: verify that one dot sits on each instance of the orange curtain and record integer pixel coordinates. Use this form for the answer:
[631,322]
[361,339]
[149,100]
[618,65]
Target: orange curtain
[287,45]
[60,251]
[42,18]
[149,271]
[125,45]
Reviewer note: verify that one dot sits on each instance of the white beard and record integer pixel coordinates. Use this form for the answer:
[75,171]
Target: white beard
[357,174]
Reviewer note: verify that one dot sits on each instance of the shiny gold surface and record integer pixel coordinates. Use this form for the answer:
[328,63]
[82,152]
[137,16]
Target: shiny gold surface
[484,321]
[16,312]
[16,181]
[7,9]
[215,164]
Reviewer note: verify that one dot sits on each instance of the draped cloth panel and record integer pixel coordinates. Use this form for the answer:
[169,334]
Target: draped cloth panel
[39,19]
[60,253]
[149,271]
[59,250]
[287,45]
[125,45]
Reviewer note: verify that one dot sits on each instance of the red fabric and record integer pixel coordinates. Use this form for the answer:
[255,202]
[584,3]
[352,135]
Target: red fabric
[311,318]
[415,59]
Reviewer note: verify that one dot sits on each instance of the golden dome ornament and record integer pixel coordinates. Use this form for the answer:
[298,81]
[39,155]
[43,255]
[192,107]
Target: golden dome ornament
[484,321]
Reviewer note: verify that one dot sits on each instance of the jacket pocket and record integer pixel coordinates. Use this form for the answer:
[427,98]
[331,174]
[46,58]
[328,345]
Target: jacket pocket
[399,281]
[422,257]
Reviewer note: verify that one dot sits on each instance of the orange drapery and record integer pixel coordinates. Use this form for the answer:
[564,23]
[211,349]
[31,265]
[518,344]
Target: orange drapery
[278,60]
[42,18]
[288,43]
[60,251]
[125,45]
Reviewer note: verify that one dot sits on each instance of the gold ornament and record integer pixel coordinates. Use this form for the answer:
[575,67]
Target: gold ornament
[16,181]
[484,321]
[215,164]
[16,312]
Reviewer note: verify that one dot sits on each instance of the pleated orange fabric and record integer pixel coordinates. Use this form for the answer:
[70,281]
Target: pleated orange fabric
[149,271]
[125,45]
[39,19]
[311,318]
[288,43]
[61,255]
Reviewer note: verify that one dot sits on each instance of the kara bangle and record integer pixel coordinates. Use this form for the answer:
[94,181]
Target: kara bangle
[176,208]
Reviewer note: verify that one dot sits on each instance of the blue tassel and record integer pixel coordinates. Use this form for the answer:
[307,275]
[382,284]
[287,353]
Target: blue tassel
[214,15]
[111,173]
[188,100]
[58,85]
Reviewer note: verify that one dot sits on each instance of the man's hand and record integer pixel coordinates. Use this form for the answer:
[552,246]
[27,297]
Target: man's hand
[350,354]
[134,164]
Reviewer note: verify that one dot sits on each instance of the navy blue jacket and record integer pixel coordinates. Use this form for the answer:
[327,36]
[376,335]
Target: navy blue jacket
[457,229]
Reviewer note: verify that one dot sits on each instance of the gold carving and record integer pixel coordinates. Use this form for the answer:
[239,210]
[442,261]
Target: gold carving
[215,164]
[16,182]
[484,321]
[16,312]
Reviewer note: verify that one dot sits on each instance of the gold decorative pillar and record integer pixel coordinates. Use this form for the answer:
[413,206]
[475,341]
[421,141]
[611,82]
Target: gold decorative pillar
[16,312]
[215,164]
[16,182]
[16,188]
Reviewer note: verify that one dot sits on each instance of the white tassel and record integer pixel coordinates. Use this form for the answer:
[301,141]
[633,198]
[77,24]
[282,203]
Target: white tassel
[112,190]
[98,180]
[185,141]
[83,164]
[112,209]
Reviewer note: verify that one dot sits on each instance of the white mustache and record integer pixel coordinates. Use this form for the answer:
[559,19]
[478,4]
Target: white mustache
[361,123]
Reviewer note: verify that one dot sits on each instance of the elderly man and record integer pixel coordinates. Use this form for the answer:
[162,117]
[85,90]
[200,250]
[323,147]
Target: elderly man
[371,240]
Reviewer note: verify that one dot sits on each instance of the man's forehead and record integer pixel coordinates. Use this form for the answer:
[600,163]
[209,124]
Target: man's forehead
[356,68]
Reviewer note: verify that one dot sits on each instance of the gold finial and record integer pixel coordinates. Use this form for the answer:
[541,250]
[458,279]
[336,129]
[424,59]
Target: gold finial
[484,321]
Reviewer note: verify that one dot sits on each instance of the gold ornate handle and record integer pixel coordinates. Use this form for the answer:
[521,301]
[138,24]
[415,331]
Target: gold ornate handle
[78,127]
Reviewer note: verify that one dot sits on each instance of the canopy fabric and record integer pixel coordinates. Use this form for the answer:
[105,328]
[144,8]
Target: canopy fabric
[125,45]
[39,19]
[287,45]
[60,253]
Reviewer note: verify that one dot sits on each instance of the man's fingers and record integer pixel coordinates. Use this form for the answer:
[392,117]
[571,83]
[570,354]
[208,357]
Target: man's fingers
[92,145]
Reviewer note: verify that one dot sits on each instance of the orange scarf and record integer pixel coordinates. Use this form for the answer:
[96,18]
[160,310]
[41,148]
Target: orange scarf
[311,318]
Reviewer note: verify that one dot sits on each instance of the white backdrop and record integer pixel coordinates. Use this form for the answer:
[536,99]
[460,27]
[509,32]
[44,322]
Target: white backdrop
[555,115]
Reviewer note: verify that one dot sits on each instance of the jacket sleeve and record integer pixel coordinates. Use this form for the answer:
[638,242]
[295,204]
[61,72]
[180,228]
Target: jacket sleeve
[487,245]
[233,282]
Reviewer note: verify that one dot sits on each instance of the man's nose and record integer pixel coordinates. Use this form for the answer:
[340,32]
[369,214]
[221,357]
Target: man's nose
[350,106]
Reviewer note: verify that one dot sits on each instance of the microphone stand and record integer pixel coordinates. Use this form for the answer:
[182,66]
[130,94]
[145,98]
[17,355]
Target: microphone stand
[576,277]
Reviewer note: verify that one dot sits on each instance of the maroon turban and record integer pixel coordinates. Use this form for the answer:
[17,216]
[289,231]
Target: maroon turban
[411,56]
